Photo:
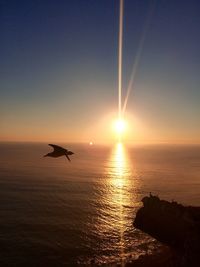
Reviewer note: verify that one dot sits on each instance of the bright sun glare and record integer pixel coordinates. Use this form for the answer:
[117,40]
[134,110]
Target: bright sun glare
[120,126]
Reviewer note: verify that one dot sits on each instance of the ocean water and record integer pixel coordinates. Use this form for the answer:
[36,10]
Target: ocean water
[59,213]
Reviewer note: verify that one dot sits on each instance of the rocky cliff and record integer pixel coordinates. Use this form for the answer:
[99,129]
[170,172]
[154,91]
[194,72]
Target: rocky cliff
[173,224]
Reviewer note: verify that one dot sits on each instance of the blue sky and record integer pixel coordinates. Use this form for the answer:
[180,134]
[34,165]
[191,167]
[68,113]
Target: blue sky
[59,70]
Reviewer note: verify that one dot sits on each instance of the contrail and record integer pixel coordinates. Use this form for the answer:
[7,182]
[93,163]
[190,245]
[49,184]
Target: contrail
[138,55]
[120,58]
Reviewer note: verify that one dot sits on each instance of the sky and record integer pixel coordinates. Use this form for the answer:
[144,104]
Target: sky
[59,70]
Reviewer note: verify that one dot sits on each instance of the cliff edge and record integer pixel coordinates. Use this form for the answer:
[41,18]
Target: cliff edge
[174,225]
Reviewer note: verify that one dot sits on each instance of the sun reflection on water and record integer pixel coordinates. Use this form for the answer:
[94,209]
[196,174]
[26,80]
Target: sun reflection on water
[119,166]
[120,182]
[119,174]
[118,197]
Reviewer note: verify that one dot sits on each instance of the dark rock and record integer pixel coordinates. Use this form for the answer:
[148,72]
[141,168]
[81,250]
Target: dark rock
[174,225]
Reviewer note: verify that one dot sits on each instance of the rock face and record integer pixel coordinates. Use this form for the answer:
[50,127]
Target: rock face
[174,225]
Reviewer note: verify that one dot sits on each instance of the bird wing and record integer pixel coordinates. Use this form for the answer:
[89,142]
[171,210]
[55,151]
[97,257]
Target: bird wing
[67,157]
[57,148]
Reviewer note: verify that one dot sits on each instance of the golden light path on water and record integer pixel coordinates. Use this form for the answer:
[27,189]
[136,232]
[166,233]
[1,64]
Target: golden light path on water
[117,197]
[119,181]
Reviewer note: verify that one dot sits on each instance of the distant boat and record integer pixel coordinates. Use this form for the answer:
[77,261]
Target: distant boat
[58,152]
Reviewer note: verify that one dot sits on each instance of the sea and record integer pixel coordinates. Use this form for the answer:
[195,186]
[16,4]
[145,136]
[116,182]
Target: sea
[56,213]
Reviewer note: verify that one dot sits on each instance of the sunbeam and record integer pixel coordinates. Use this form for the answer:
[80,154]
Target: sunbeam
[138,56]
[120,58]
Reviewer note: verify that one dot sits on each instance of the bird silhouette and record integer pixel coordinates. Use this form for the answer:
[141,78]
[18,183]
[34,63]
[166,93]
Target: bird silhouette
[58,152]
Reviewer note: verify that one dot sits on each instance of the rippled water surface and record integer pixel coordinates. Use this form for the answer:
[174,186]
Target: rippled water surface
[56,213]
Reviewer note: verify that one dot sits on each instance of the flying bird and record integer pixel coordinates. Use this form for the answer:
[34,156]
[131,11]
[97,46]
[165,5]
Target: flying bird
[58,152]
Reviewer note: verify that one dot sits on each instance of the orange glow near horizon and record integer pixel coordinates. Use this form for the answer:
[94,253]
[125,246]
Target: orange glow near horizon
[104,129]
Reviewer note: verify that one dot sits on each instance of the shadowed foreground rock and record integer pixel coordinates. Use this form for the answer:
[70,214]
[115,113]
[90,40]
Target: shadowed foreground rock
[174,225]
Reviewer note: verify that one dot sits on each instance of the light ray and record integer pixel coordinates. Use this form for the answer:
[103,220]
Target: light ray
[120,58]
[138,56]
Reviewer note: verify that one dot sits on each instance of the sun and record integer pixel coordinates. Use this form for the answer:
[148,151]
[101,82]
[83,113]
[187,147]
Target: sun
[120,126]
